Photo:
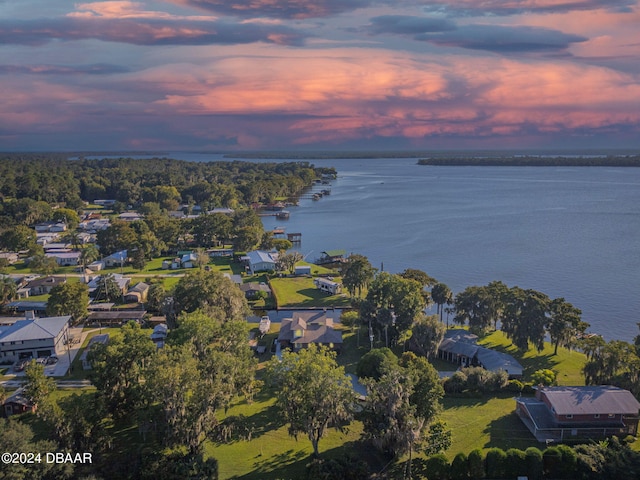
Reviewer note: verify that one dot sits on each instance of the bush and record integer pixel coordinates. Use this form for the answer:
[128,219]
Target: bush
[545,377]
[438,467]
[456,383]
[515,386]
[495,463]
[515,465]
[568,461]
[552,461]
[527,389]
[533,462]
[460,467]
[345,466]
[476,464]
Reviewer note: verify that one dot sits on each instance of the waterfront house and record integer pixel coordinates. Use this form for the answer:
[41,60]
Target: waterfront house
[304,328]
[261,261]
[571,413]
[302,270]
[459,346]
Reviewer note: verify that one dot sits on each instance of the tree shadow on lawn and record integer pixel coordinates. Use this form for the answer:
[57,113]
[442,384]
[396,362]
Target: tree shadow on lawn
[293,464]
[507,432]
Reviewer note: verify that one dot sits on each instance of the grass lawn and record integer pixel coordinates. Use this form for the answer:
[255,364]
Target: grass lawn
[301,292]
[272,453]
[567,363]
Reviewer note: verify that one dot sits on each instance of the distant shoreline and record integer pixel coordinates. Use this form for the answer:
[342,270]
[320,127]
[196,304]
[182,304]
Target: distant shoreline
[535,161]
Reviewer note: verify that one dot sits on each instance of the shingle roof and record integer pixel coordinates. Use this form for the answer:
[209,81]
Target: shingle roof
[492,360]
[603,399]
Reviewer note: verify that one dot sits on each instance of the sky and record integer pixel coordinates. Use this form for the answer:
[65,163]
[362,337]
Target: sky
[224,75]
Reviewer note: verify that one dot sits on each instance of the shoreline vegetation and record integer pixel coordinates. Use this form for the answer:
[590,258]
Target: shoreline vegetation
[535,161]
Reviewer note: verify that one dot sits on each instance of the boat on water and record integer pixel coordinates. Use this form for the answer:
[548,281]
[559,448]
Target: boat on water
[265,324]
[283,215]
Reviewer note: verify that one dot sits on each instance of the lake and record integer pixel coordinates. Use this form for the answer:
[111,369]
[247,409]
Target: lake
[569,232]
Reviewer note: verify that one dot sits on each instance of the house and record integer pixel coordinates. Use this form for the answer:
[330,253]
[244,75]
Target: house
[253,289]
[105,202]
[137,294]
[34,338]
[130,216]
[304,328]
[188,260]
[459,346]
[116,259]
[237,279]
[65,259]
[571,413]
[17,403]
[10,257]
[43,285]
[261,261]
[97,340]
[122,281]
[23,306]
[327,285]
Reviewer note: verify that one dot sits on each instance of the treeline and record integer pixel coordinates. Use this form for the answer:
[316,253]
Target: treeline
[535,161]
[52,179]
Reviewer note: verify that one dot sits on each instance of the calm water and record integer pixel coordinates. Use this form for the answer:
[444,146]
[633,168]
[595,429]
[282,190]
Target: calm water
[568,232]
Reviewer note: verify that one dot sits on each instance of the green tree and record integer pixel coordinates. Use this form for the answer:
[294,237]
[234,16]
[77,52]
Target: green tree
[565,324]
[427,333]
[16,436]
[8,289]
[213,292]
[118,370]
[544,377]
[119,236]
[18,238]
[525,318]
[107,289]
[69,299]
[425,280]
[350,318]
[89,254]
[43,264]
[69,217]
[156,296]
[375,363]
[392,304]
[400,407]
[357,273]
[441,295]
[38,386]
[313,392]
[287,261]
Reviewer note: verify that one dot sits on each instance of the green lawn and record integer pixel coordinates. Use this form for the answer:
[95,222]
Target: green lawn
[301,292]
[567,363]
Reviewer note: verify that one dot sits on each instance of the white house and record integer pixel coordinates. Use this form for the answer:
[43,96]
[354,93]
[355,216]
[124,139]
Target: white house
[261,261]
[115,259]
[65,259]
[34,338]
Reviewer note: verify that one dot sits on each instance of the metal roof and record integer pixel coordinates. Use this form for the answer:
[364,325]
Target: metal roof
[593,400]
[36,329]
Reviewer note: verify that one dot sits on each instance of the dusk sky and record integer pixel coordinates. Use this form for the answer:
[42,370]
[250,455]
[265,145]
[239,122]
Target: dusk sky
[319,74]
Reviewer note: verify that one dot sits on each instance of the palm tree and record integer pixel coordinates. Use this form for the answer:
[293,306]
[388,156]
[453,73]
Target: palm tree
[8,290]
[89,254]
[441,294]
